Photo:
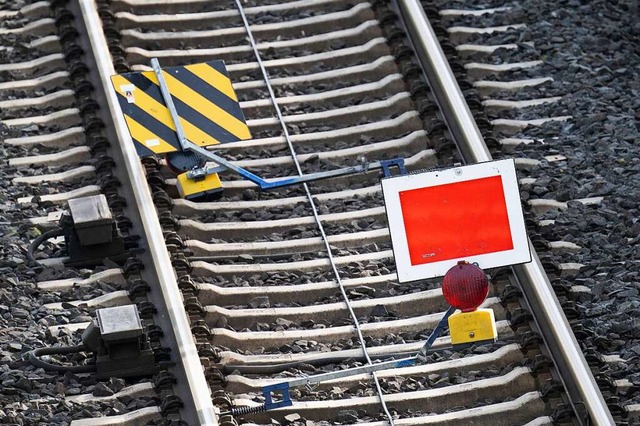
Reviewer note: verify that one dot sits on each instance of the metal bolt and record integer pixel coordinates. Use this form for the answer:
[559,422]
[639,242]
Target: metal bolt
[457,172]
[472,334]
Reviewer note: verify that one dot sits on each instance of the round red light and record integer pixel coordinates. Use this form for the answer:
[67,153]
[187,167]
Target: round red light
[465,286]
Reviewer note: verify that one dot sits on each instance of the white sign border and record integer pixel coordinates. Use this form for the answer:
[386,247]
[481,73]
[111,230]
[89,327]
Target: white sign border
[391,188]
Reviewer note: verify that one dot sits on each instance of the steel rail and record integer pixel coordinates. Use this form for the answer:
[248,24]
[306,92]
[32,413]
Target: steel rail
[314,209]
[194,390]
[572,366]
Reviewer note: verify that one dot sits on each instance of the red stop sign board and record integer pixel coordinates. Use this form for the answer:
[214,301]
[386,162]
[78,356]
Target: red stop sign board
[470,213]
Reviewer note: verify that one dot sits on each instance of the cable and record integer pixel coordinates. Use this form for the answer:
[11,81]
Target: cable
[52,233]
[34,354]
[274,101]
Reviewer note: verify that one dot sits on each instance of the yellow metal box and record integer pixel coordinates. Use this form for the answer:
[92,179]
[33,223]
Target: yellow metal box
[471,327]
[201,188]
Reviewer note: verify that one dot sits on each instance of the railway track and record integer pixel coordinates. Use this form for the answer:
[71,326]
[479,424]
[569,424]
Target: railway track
[280,284]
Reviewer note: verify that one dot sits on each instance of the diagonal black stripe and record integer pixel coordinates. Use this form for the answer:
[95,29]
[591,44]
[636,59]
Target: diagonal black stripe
[184,110]
[203,88]
[219,66]
[141,149]
[148,121]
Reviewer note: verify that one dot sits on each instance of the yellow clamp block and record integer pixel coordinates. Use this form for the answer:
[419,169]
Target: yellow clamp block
[471,327]
[189,188]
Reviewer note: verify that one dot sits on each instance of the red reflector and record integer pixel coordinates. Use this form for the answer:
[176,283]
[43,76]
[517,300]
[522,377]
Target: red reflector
[465,286]
[474,208]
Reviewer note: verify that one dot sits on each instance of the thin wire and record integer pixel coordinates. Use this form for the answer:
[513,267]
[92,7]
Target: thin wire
[265,76]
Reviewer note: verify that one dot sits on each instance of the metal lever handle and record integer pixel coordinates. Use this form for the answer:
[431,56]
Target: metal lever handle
[385,165]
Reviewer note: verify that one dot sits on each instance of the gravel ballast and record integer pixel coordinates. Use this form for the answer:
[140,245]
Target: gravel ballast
[590,50]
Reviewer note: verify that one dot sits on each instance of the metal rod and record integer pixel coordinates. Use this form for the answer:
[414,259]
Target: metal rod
[168,100]
[435,333]
[228,164]
[369,368]
[286,181]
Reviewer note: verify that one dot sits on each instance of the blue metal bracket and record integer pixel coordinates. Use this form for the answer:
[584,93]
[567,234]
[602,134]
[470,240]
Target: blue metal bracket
[269,403]
[387,164]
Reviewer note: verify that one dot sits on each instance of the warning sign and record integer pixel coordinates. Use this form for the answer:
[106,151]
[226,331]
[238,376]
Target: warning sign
[470,213]
[204,98]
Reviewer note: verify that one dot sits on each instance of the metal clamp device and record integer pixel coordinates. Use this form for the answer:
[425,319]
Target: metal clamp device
[270,391]
[465,287]
[223,164]
[185,125]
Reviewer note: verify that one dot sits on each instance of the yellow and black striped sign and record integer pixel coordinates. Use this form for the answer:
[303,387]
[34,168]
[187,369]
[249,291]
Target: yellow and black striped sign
[204,99]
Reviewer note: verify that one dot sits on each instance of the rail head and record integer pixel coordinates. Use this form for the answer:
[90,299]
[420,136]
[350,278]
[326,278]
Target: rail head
[198,405]
[572,365]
